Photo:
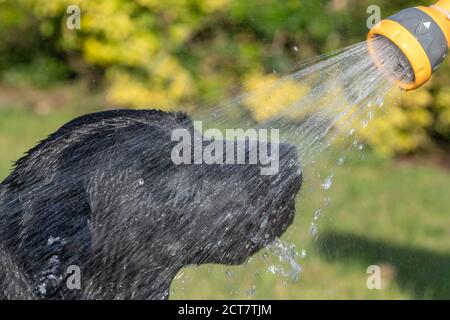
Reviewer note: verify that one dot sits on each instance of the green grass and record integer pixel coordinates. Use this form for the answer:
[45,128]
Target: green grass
[21,129]
[397,217]
[381,213]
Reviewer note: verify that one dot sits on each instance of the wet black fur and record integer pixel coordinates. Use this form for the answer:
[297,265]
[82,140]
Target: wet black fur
[102,193]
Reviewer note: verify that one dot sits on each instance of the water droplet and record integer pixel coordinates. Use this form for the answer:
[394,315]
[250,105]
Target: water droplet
[141,182]
[295,274]
[340,161]
[380,101]
[328,182]
[303,254]
[274,269]
[53,240]
[288,256]
[251,292]
[317,214]
[313,229]
[295,48]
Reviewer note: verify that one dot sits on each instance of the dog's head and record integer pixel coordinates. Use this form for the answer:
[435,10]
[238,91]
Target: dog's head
[105,192]
[198,212]
[243,210]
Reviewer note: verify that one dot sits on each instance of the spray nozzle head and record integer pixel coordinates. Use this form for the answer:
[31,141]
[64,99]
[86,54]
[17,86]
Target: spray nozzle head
[391,61]
[410,45]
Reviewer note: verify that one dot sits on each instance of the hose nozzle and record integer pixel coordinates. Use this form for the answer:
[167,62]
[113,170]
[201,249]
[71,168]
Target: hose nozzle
[417,39]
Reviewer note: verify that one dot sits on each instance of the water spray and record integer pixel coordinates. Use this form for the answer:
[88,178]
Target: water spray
[421,35]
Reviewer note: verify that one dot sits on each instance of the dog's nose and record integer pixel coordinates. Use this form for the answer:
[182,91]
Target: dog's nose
[289,163]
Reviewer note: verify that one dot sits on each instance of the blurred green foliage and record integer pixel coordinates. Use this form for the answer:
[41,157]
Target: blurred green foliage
[166,54]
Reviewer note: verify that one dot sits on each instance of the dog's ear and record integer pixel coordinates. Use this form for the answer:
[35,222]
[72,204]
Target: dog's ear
[55,237]
[14,284]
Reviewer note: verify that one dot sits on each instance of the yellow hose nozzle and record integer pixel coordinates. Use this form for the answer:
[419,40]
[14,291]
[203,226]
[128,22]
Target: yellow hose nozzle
[422,35]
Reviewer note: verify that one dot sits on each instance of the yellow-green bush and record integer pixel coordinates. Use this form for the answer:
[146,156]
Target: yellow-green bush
[402,127]
[135,42]
[270,98]
[405,124]
[413,121]
[173,53]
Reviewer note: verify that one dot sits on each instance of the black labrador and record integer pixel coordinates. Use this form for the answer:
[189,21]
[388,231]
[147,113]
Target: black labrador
[103,194]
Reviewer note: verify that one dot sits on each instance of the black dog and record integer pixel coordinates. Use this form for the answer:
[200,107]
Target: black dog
[103,194]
